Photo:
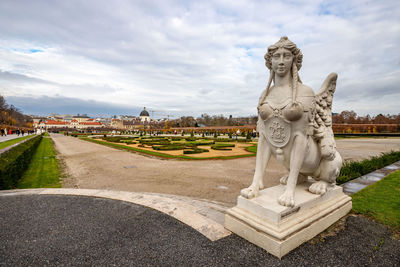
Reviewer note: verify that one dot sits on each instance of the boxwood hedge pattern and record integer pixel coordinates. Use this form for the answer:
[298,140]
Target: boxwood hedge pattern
[195,151]
[14,162]
[219,146]
[165,143]
[169,147]
[187,143]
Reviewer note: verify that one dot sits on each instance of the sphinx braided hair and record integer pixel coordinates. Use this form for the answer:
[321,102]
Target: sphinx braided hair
[284,42]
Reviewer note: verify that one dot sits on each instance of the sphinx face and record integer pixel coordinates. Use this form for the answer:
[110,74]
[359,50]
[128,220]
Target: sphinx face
[281,61]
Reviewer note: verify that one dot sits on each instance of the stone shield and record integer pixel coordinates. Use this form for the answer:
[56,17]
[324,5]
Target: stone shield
[278,131]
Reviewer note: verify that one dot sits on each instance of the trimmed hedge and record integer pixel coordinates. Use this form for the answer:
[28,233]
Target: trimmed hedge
[222,146]
[128,142]
[155,141]
[14,162]
[355,169]
[195,151]
[231,140]
[204,143]
[117,139]
[169,147]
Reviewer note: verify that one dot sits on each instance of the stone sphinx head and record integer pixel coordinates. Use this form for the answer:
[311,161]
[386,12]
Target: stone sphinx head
[288,45]
[283,57]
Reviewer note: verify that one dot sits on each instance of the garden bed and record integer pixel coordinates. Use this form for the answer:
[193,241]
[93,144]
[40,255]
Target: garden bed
[180,147]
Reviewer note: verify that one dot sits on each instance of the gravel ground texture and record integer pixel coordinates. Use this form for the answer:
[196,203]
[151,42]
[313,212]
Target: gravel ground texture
[95,166]
[38,230]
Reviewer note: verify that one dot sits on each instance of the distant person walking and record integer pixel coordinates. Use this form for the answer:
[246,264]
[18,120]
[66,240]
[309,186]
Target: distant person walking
[2,132]
[22,132]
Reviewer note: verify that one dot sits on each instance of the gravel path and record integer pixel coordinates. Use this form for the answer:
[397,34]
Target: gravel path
[95,166]
[82,231]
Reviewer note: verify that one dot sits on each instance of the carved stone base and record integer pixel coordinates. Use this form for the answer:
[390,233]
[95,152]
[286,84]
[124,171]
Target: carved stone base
[279,229]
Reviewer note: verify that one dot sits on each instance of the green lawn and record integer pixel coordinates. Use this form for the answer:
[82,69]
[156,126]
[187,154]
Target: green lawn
[381,201]
[44,169]
[13,141]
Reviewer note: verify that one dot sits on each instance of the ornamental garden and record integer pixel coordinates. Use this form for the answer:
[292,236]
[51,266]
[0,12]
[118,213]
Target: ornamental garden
[183,147]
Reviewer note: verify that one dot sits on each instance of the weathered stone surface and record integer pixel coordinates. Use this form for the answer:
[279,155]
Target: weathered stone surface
[295,127]
[279,229]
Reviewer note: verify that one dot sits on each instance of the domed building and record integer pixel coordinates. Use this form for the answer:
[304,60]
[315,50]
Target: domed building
[144,115]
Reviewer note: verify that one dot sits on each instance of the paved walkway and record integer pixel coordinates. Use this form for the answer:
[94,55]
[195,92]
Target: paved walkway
[55,230]
[9,137]
[205,216]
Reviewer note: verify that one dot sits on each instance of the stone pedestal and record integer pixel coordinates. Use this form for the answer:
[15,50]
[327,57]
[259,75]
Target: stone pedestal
[279,229]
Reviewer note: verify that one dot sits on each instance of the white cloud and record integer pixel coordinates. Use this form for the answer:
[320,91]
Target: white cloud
[198,57]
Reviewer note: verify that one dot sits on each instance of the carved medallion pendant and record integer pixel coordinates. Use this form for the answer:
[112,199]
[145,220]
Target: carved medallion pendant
[278,131]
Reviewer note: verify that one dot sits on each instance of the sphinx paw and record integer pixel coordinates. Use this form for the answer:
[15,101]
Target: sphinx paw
[318,188]
[250,192]
[286,199]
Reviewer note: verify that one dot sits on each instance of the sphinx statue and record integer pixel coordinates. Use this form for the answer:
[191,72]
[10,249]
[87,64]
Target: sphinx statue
[295,127]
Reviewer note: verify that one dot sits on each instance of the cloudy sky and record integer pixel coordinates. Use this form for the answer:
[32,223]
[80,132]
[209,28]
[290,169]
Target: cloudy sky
[192,57]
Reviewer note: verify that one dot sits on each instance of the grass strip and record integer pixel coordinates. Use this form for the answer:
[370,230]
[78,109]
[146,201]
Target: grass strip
[355,169]
[381,201]
[252,148]
[13,141]
[44,169]
[161,155]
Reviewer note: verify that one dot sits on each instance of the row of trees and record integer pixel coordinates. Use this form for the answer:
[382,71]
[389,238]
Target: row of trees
[12,116]
[345,117]
[216,120]
[351,117]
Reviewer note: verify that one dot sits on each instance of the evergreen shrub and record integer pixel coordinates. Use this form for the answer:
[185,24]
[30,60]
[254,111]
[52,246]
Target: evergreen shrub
[14,162]
[222,146]
[169,147]
[355,169]
[195,151]
[204,143]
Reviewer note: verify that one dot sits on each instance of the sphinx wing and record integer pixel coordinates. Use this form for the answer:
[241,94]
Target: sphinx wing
[323,107]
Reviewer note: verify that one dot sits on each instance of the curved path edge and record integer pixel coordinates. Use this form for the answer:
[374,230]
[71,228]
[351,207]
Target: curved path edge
[204,216]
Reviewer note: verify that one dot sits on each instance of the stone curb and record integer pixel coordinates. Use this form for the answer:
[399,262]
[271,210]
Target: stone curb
[206,217]
[361,182]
